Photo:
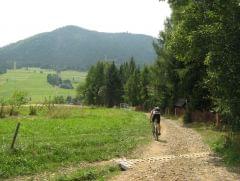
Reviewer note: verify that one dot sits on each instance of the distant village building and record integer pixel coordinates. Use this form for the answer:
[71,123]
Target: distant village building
[179,107]
[197,115]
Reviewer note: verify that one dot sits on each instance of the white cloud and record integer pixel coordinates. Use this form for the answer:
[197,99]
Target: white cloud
[23,18]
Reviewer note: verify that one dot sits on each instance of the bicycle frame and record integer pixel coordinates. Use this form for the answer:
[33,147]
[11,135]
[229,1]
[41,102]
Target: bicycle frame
[155,130]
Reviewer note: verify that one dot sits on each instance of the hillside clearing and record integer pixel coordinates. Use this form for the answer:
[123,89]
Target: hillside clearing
[34,82]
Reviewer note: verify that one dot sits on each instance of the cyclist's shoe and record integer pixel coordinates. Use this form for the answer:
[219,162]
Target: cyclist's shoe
[159,133]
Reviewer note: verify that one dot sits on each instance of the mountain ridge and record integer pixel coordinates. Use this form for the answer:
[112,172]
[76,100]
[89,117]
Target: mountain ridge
[74,47]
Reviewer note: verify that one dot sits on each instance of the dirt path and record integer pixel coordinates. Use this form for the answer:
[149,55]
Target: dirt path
[180,154]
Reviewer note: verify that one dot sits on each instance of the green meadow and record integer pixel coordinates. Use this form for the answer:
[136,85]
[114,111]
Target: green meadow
[68,136]
[34,82]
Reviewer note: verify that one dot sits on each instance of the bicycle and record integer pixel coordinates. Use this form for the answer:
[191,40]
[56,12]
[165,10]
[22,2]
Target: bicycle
[155,130]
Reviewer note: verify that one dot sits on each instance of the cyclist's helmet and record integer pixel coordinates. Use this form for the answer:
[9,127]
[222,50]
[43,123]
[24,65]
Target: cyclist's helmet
[157,108]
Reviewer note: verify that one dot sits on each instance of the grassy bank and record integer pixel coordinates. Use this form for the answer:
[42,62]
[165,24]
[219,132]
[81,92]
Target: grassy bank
[216,139]
[67,136]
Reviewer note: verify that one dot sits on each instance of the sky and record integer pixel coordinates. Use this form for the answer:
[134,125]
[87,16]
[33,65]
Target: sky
[20,19]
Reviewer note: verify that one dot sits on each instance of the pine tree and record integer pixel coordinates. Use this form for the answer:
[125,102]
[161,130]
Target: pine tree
[95,82]
[132,89]
[132,66]
[90,92]
[145,83]
[100,82]
[127,69]
[113,86]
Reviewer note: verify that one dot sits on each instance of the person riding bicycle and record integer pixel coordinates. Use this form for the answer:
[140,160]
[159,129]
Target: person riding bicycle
[156,117]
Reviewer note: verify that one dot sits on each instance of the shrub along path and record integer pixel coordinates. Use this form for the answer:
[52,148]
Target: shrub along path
[180,154]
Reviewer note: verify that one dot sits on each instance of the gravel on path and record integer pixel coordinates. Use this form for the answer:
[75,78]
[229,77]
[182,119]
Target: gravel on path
[189,158]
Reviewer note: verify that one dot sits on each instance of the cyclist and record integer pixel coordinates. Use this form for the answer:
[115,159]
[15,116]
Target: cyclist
[156,117]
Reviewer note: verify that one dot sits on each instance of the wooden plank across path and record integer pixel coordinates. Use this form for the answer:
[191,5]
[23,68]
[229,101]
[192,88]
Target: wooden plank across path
[126,164]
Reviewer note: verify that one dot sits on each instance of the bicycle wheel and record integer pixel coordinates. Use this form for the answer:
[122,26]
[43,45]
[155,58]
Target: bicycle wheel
[156,131]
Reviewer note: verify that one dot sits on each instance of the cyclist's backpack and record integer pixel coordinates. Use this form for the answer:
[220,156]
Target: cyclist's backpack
[156,114]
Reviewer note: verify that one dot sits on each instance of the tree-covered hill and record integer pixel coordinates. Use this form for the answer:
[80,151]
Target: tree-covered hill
[78,48]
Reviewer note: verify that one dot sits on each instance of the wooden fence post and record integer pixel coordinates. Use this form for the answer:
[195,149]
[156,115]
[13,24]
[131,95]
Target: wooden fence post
[217,120]
[15,135]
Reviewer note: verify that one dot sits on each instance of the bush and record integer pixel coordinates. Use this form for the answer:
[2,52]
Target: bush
[48,104]
[13,111]
[32,110]
[66,84]
[76,101]
[2,111]
[54,79]
[59,100]
[69,100]
[18,99]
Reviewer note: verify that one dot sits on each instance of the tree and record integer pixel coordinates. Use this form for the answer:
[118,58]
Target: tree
[167,72]
[222,60]
[54,79]
[103,85]
[2,106]
[204,38]
[132,88]
[160,91]
[189,44]
[66,84]
[95,84]
[132,66]
[17,99]
[89,90]
[127,69]
[100,78]
[113,84]
[145,84]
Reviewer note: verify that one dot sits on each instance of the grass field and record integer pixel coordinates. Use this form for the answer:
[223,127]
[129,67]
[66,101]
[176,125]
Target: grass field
[34,82]
[68,136]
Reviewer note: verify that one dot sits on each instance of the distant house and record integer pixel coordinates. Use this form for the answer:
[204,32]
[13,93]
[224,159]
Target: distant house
[196,115]
[179,107]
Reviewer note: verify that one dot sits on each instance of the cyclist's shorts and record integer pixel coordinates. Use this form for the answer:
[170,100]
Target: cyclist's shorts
[156,118]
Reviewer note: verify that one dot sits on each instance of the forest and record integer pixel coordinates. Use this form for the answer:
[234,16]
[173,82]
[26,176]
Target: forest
[198,60]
